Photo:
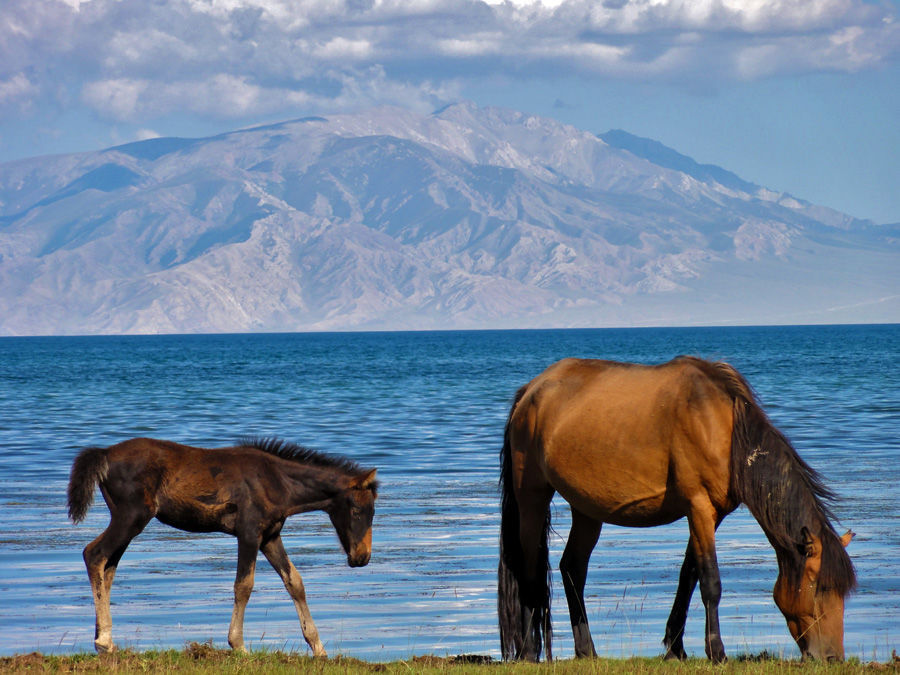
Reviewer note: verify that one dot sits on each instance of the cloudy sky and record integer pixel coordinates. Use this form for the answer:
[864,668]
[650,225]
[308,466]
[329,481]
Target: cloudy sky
[797,95]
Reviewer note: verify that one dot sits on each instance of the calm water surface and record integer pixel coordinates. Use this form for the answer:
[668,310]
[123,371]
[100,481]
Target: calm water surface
[428,410]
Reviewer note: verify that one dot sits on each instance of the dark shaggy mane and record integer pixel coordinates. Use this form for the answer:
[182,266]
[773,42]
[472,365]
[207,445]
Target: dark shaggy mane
[302,455]
[782,491]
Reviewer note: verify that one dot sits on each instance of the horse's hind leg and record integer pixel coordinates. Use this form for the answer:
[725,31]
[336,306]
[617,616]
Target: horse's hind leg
[277,556]
[687,581]
[101,557]
[573,566]
[243,587]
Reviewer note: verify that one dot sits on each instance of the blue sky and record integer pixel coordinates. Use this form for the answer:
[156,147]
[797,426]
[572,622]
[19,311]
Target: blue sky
[801,96]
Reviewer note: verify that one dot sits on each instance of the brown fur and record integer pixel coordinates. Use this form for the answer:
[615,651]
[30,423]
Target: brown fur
[641,446]
[247,491]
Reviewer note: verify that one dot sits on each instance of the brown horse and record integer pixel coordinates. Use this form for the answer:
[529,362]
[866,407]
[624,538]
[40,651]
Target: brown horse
[641,446]
[247,491]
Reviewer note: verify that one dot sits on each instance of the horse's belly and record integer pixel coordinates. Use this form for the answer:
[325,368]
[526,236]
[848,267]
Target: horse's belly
[629,489]
[636,509]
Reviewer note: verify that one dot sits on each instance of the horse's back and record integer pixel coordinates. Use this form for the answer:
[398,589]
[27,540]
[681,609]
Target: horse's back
[626,443]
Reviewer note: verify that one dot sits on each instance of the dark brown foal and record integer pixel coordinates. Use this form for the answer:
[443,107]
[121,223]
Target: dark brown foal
[247,491]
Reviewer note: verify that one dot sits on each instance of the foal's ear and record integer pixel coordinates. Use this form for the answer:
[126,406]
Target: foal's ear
[847,536]
[366,481]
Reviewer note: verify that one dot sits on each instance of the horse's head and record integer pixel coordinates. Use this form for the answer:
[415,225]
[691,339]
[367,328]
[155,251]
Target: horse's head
[813,610]
[351,514]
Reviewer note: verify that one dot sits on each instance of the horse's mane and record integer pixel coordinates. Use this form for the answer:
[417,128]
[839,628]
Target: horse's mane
[302,455]
[781,490]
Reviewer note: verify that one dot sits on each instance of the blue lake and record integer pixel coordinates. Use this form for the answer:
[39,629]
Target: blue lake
[428,410]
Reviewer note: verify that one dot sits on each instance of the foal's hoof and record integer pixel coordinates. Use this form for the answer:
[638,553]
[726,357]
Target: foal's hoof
[104,646]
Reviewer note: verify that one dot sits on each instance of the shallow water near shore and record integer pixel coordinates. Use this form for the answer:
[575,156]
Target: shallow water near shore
[428,410]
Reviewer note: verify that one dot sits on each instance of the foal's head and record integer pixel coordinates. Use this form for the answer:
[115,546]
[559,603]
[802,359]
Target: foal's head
[813,601]
[351,514]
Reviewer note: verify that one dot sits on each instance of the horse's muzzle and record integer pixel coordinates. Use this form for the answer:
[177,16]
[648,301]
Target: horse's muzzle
[828,657]
[359,560]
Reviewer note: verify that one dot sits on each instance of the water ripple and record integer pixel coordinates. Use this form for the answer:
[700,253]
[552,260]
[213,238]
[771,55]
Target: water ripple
[428,410]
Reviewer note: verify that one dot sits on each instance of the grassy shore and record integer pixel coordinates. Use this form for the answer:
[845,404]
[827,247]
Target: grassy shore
[204,658]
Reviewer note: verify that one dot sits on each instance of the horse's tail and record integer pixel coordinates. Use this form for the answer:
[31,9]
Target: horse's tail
[88,470]
[513,589]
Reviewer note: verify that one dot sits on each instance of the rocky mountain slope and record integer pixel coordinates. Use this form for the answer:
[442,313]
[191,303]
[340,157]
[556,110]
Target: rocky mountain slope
[386,219]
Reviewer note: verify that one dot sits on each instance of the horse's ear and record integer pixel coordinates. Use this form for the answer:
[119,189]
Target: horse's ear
[806,545]
[365,481]
[847,536]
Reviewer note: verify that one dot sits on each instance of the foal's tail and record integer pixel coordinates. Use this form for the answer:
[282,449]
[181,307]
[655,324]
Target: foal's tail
[515,590]
[88,470]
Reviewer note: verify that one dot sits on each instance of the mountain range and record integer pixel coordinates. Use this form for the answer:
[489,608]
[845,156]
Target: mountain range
[391,220]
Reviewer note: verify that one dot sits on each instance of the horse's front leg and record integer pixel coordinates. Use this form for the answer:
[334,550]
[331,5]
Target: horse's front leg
[702,520]
[574,566]
[277,556]
[243,587]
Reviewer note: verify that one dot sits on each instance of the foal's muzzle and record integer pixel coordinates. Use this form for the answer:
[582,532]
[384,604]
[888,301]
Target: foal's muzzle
[358,555]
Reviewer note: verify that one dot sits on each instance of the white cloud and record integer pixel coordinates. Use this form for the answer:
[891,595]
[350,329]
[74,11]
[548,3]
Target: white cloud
[17,88]
[240,57]
[118,97]
[146,134]
[227,96]
[476,45]
[341,48]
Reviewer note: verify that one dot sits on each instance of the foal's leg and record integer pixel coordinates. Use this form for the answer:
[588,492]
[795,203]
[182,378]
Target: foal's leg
[687,581]
[101,557]
[243,587]
[702,520]
[277,556]
[574,566]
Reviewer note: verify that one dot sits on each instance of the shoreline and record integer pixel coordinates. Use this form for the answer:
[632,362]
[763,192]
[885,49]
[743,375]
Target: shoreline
[205,658]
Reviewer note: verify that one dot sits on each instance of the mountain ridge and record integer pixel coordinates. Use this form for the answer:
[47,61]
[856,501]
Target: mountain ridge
[466,218]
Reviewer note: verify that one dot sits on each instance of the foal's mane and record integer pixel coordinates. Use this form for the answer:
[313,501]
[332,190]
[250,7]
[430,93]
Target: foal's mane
[302,455]
[781,490]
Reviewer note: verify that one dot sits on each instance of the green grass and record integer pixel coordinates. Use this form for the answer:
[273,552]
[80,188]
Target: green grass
[204,658]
